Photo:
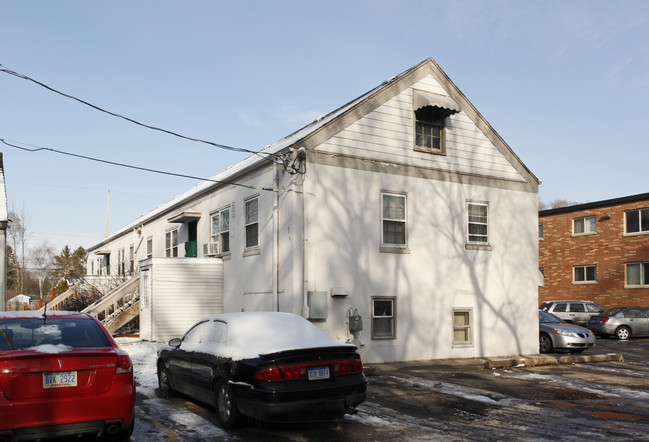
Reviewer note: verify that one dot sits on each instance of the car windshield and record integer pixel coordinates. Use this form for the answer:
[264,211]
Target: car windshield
[24,333]
[612,311]
[547,318]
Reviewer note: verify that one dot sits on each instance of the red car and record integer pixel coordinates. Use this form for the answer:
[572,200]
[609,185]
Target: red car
[62,374]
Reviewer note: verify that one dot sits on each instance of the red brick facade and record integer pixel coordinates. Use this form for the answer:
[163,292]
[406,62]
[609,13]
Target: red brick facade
[609,249]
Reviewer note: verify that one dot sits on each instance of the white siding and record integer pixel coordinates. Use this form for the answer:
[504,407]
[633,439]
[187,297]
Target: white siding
[386,134]
[183,291]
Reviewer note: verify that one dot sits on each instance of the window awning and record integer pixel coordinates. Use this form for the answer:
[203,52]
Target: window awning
[422,99]
[184,217]
[102,252]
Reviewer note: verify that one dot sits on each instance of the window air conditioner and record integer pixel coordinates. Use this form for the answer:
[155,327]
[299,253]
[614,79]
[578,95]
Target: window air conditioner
[211,249]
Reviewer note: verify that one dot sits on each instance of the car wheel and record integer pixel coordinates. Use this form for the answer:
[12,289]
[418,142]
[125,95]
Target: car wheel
[545,343]
[226,408]
[622,333]
[164,387]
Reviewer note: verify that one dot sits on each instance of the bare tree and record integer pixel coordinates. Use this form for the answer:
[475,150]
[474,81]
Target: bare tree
[41,261]
[556,203]
[18,236]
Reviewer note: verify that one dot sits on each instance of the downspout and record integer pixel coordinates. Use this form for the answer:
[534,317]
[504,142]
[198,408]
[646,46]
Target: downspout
[276,285]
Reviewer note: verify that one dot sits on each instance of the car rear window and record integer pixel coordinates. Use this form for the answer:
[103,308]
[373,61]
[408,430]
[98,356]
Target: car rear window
[22,333]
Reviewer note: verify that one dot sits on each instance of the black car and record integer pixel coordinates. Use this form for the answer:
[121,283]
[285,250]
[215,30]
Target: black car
[268,366]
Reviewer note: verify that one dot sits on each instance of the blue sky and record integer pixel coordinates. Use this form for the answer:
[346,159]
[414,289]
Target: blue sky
[565,83]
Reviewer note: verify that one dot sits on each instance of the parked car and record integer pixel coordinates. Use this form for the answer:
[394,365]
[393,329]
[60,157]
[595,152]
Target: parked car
[621,322]
[62,374]
[575,312]
[556,334]
[268,366]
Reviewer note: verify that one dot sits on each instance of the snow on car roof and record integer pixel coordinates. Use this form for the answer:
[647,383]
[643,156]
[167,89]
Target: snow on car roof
[251,334]
[37,314]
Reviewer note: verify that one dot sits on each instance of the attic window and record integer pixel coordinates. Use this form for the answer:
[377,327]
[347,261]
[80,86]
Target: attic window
[431,112]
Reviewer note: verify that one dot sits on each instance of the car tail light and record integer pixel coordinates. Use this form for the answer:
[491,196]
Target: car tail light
[300,370]
[604,319]
[124,364]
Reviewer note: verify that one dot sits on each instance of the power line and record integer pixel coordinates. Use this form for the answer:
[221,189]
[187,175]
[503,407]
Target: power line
[220,146]
[145,169]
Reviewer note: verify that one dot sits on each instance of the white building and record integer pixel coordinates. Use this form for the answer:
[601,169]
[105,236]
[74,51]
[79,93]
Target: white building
[403,207]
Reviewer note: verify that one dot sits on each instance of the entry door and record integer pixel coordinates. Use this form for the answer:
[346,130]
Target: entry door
[191,246]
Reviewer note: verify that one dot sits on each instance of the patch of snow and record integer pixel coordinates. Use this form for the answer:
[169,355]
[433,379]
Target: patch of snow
[49,348]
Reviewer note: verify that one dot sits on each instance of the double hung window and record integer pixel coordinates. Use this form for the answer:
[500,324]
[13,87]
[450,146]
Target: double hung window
[252,223]
[462,327]
[383,318]
[149,247]
[637,274]
[585,274]
[584,225]
[220,230]
[637,221]
[478,223]
[171,243]
[393,215]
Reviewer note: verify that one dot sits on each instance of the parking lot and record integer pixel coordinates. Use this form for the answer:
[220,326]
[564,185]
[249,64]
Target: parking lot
[457,400]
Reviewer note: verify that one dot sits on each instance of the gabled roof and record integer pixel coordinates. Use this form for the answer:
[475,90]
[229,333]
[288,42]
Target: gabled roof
[328,125]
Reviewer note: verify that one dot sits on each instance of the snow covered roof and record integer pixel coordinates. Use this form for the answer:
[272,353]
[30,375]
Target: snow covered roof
[250,162]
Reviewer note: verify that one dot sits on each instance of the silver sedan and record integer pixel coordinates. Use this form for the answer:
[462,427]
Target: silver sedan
[556,334]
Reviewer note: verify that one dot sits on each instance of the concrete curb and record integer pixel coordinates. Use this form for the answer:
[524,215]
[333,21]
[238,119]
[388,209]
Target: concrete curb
[531,361]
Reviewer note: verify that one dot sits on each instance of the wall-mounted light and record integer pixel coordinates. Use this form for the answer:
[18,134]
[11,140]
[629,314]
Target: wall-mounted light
[606,216]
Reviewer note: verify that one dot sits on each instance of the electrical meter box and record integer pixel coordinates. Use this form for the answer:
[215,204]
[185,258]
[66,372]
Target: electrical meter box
[355,323]
[317,303]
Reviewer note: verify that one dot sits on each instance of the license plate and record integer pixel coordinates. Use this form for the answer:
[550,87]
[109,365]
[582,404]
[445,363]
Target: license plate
[60,379]
[317,373]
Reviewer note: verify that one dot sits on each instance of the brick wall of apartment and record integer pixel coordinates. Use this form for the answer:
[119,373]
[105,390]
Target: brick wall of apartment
[609,249]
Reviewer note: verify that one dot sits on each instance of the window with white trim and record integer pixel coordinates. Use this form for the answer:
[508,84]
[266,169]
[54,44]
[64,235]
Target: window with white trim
[220,230]
[384,318]
[462,327]
[171,243]
[393,219]
[540,231]
[149,247]
[131,259]
[430,133]
[584,225]
[252,223]
[637,274]
[585,274]
[478,228]
[637,221]
[120,262]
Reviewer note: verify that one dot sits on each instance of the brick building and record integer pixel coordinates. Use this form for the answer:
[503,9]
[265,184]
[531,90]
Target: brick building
[596,252]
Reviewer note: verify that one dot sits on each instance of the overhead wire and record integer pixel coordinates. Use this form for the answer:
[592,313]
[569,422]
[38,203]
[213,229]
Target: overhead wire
[9,71]
[130,166]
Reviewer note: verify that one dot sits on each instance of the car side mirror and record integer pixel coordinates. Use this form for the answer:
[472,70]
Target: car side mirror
[175,343]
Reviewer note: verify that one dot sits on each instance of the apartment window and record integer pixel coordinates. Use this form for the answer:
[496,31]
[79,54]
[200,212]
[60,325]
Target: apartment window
[540,231]
[383,318]
[584,225]
[220,231]
[252,223]
[149,247]
[478,223]
[637,221]
[462,327]
[393,216]
[171,243]
[585,274]
[120,262]
[131,259]
[430,128]
[637,274]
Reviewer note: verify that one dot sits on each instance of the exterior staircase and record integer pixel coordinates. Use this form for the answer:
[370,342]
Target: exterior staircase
[119,306]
